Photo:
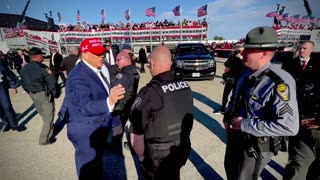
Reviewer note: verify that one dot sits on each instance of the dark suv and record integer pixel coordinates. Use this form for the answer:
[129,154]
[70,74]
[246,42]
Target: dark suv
[193,61]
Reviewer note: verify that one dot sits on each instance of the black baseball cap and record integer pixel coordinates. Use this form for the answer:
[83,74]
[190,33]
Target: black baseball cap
[35,51]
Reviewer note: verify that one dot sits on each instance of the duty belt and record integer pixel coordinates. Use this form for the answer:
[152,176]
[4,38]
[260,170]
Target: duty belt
[164,146]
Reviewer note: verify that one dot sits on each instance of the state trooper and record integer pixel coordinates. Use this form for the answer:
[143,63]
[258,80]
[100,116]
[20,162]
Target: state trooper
[162,120]
[8,80]
[39,82]
[262,110]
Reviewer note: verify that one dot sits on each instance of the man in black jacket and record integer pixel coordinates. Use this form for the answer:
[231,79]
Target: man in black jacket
[143,57]
[55,61]
[234,67]
[126,74]
[8,80]
[20,60]
[304,148]
[69,62]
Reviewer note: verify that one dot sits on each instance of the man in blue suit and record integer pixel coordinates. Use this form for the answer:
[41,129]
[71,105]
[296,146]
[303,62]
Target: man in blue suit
[89,102]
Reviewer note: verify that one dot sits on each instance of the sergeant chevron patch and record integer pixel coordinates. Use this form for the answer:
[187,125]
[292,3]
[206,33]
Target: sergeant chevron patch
[286,109]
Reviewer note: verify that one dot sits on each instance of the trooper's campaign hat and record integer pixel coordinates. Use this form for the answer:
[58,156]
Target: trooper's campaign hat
[262,37]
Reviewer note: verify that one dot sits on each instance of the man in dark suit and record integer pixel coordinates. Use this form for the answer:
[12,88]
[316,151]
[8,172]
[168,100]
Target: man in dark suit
[8,80]
[55,61]
[89,103]
[20,60]
[304,148]
[69,62]
[143,57]
[302,64]
[110,57]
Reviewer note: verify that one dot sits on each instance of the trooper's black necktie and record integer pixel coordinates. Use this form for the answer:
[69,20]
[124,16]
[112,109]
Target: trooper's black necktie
[105,79]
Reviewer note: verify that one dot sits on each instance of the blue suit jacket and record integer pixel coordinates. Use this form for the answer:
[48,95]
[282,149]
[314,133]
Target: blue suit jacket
[86,97]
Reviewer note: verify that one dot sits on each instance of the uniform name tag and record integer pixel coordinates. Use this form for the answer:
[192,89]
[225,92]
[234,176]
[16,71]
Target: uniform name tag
[174,86]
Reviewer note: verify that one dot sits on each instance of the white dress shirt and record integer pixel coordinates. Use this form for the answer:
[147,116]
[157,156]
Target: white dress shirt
[105,72]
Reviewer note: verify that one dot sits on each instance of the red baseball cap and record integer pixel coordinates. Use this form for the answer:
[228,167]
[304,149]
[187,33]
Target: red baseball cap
[93,45]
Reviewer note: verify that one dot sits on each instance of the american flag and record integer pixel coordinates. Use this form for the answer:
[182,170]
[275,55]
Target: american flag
[284,17]
[295,18]
[272,14]
[127,14]
[59,16]
[304,19]
[78,15]
[202,11]
[176,11]
[151,12]
[313,20]
[103,17]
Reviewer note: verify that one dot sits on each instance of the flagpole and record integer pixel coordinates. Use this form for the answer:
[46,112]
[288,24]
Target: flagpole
[131,33]
[150,38]
[180,30]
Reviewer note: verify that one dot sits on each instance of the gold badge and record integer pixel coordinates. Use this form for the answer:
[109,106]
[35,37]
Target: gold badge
[283,91]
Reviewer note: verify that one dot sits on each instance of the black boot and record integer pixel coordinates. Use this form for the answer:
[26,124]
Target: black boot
[19,128]
[7,128]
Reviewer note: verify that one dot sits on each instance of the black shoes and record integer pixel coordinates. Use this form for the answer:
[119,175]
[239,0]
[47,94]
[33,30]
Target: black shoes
[7,128]
[220,111]
[18,128]
[50,141]
[126,145]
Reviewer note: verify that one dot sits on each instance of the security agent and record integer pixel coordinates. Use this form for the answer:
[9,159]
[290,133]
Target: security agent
[8,80]
[39,82]
[124,73]
[304,148]
[262,110]
[161,120]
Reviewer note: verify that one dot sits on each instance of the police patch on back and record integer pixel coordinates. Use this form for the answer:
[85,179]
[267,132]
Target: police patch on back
[174,86]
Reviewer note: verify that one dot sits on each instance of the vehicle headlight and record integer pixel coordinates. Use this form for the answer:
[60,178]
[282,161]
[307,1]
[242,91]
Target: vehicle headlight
[179,63]
[211,63]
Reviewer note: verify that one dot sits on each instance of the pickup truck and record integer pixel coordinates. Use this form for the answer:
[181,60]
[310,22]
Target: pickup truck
[193,61]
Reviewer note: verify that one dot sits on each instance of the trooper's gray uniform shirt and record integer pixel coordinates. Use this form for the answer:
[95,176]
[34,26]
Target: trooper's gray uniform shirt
[272,109]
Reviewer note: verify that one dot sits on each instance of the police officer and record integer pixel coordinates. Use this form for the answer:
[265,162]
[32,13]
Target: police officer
[39,82]
[262,110]
[161,120]
[8,80]
[126,74]
[304,148]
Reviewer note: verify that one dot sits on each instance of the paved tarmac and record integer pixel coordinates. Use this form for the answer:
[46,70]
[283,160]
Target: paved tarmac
[23,159]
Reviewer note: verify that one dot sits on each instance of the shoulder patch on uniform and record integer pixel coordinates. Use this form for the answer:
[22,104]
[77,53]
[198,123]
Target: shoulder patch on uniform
[286,109]
[49,71]
[136,103]
[119,75]
[283,91]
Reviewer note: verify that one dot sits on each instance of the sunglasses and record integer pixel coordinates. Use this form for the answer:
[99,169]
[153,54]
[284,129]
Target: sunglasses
[108,45]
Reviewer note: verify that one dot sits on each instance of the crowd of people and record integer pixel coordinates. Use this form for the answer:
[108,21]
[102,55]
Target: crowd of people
[121,25]
[102,105]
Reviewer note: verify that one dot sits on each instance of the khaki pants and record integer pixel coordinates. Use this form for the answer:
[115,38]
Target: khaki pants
[46,109]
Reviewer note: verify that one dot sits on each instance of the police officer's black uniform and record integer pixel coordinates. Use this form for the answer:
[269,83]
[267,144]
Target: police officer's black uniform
[39,82]
[8,80]
[162,112]
[129,78]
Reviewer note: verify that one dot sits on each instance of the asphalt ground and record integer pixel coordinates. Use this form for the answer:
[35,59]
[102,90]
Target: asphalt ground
[22,158]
